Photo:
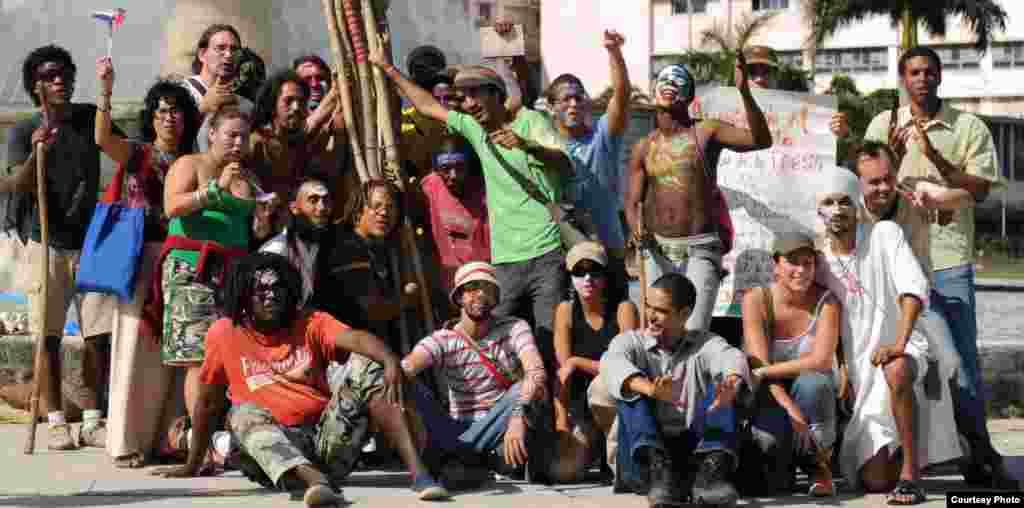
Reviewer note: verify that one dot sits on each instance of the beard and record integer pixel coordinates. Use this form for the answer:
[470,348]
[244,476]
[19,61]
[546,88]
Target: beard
[483,313]
[305,229]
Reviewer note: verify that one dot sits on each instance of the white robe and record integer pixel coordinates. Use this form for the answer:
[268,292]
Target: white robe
[869,283]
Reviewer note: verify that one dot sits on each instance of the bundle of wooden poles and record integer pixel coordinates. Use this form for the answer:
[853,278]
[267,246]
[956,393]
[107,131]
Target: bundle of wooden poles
[355,27]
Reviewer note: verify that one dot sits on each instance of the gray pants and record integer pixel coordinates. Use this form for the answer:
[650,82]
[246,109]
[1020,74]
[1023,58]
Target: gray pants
[539,282]
[701,263]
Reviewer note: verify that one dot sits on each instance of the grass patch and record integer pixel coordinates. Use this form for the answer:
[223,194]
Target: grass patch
[1000,266]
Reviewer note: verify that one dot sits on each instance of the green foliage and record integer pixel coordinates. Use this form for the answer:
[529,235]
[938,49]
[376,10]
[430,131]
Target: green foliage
[859,110]
[984,17]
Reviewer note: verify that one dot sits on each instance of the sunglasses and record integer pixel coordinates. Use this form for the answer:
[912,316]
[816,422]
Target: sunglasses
[52,75]
[593,272]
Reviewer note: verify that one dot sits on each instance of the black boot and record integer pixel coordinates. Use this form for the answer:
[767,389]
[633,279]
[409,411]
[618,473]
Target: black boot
[711,486]
[983,467]
[666,484]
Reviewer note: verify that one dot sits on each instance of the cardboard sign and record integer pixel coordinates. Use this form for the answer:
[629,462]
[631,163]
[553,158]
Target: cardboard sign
[495,45]
[769,191]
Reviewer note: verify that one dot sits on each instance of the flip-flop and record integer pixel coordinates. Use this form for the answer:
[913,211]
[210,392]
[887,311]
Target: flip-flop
[906,488]
[130,461]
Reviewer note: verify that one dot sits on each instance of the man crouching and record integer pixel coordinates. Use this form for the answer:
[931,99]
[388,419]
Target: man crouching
[273,359]
[660,377]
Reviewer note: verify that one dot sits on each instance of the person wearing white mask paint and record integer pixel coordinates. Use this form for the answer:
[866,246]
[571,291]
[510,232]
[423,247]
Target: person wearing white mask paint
[874,273]
[584,326]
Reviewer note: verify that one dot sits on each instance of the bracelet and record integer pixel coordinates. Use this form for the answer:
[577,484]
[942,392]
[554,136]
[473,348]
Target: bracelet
[199,198]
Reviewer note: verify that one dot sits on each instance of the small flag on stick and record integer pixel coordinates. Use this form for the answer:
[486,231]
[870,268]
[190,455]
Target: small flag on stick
[113,19]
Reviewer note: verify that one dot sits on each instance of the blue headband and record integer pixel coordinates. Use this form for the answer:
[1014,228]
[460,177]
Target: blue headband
[445,158]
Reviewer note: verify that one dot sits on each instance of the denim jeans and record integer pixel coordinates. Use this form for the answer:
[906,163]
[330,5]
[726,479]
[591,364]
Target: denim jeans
[638,429]
[446,434]
[815,394]
[540,282]
[953,297]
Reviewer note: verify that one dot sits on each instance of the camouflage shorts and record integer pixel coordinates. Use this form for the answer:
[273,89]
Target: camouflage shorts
[334,444]
[189,310]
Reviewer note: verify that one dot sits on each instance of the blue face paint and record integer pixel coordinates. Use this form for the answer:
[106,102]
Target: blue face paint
[444,159]
[677,79]
[567,92]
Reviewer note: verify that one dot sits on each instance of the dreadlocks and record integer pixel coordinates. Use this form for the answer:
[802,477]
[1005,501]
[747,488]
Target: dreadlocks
[238,289]
[358,201]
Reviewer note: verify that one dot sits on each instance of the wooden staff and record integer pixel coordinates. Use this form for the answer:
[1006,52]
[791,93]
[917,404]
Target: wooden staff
[44,277]
[640,248]
[393,163]
[354,22]
[341,80]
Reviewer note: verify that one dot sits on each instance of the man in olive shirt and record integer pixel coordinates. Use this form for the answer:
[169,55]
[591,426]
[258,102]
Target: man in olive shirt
[953,149]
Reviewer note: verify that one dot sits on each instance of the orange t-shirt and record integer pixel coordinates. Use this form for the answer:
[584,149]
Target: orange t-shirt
[285,374]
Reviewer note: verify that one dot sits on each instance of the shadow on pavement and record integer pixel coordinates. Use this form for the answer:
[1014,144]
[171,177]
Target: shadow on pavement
[124,497]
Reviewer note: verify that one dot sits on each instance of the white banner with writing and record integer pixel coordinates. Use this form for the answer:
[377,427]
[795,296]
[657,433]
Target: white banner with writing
[772,190]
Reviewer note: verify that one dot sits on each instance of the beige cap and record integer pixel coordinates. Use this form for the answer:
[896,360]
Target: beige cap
[790,242]
[469,272]
[593,251]
[760,55]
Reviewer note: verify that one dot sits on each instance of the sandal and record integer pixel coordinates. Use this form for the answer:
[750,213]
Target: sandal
[906,488]
[130,461]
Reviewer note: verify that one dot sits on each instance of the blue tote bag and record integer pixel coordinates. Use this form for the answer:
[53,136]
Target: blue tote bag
[113,245]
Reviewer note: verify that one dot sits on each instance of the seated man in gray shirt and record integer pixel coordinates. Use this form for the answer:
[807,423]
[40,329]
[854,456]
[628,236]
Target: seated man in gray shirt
[659,377]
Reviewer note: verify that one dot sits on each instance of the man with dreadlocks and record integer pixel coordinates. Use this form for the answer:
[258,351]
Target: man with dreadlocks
[272,356]
[879,281]
[354,280]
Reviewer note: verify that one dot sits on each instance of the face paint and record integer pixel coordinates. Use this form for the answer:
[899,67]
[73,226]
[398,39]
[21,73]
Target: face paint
[586,285]
[268,296]
[448,158]
[569,115]
[675,80]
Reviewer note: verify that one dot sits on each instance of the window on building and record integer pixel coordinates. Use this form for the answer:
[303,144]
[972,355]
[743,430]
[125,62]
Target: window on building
[1008,54]
[697,6]
[961,56]
[764,5]
[485,12]
[794,58]
[851,60]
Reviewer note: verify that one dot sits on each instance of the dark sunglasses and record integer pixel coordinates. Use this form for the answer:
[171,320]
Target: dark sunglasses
[51,75]
[583,272]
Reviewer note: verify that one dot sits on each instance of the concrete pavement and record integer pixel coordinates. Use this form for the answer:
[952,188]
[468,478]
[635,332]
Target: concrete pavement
[86,478]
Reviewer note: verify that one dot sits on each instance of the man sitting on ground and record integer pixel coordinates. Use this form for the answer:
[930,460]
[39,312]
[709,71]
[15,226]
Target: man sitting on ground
[272,356]
[494,375]
[660,377]
[873,272]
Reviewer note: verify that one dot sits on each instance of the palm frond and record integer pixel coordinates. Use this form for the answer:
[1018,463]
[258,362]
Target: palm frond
[744,29]
[985,17]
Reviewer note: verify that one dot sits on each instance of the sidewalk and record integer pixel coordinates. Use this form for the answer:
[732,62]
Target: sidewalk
[86,478]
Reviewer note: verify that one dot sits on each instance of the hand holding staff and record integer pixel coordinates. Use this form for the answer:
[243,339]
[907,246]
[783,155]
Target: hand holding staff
[40,313]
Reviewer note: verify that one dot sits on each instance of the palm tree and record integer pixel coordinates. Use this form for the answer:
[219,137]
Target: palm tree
[985,17]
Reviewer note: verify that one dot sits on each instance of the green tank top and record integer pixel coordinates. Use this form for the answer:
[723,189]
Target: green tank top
[229,228]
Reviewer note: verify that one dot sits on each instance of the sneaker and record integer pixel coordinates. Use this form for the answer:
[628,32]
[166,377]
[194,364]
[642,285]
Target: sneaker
[94,435]
[60,438]
[321,495]
[821,479]
[429,489]
[711,486]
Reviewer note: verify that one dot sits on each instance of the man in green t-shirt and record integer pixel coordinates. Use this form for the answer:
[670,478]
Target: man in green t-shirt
[522,160]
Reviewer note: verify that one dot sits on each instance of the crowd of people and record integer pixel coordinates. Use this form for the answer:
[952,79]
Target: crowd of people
[268,327]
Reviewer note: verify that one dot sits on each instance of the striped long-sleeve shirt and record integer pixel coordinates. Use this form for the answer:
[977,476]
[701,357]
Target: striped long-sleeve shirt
[472,389]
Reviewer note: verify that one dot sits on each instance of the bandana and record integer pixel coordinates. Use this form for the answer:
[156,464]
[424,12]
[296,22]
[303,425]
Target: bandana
[840,181]
[446,158]
[679,79]
[478,75]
